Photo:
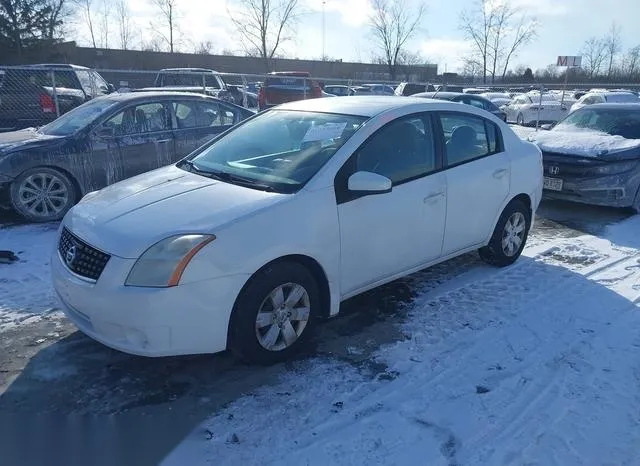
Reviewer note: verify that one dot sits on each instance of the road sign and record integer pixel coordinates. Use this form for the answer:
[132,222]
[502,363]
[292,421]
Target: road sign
[565,60]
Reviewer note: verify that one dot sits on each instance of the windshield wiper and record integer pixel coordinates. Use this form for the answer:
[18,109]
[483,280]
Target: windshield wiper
[227,177]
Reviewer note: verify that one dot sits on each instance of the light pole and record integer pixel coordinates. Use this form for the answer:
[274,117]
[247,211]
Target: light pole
[323,3]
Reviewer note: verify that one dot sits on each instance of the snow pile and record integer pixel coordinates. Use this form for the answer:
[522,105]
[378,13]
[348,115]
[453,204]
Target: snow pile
[581,142]
[27,292]
[536,363]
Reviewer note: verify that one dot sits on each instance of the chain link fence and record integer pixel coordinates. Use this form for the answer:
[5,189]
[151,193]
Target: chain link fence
[37,94]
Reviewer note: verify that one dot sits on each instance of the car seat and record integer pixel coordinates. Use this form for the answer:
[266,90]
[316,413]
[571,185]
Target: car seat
[462,144]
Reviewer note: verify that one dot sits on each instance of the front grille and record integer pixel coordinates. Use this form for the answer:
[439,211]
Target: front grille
[81,258]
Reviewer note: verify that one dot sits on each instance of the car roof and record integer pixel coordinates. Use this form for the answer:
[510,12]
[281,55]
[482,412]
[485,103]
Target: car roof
[58,65]
[615,106]
[610,92]
[435,95]
[192,70]
[127,96]
[367,106]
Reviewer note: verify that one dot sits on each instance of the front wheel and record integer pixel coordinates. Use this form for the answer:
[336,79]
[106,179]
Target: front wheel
[509,236]
[42,194]
[274,314]
[520,119]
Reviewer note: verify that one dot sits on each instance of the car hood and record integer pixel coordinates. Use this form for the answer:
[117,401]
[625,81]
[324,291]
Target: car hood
[126,218]
[24,138]
[582,143]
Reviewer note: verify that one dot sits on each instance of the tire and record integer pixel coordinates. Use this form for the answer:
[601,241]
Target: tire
[497,253]
[635,207]
[520,119]
[42,194]
[256,320]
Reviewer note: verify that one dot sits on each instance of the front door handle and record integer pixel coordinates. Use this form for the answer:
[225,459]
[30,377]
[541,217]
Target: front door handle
[500,173]
[433,197]
[161,141]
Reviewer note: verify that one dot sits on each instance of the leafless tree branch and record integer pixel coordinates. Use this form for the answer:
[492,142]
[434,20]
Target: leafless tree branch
[264,25]
[392,25]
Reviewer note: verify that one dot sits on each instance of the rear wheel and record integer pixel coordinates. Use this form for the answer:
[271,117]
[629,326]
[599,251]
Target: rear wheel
[42,194]
[509,237]
[275,313]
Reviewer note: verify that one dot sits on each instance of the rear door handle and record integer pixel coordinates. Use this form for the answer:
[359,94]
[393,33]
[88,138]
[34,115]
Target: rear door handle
[161,141]
[433,197]
[500,173]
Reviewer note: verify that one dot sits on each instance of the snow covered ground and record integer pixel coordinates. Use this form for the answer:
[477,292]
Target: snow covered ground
[27,296]
[535,364]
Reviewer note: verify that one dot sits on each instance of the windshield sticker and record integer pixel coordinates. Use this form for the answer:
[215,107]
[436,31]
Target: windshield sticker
[324,132]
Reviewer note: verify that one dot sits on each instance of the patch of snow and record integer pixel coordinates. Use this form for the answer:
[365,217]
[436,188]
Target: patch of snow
[523,132]
[536,363]
[27,293]
[582,142]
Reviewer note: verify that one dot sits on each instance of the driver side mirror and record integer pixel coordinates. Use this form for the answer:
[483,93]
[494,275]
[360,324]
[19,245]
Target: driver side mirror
[369,183]
[110,88]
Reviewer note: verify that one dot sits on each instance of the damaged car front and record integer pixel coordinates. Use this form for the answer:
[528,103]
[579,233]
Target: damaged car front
[593,156]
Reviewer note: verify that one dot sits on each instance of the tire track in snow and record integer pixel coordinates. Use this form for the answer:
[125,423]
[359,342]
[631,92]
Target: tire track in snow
[488,306]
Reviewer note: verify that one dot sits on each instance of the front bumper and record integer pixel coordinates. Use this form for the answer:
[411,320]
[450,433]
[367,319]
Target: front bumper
[608,191]
[189,318]
[5,184]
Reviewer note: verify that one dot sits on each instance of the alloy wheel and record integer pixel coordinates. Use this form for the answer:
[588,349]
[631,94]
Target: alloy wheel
[43,194]
[282,317]
[513,234]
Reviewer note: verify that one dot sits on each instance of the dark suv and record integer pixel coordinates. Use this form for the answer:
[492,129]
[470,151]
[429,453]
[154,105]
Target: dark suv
[197,80]
[35,95]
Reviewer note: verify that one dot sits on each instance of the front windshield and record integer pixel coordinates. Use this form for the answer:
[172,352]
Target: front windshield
[77,118]
[617,122]
[279,150]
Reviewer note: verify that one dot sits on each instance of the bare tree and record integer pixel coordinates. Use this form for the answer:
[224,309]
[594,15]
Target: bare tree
[58,12]
[594,52]
[496,31]
[522,34]
[612,45]
[86,13]
[204,48]
[392,24]
[104,15]
[472,68]
[168,12]
[264,25]
[631,63]
[123,19]
[478,25]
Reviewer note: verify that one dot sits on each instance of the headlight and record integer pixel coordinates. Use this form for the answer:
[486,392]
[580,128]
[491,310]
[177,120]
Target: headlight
[163,263]
[613,168]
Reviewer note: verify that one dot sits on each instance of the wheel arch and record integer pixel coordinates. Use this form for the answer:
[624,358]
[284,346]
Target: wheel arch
[313,266]
[522,197]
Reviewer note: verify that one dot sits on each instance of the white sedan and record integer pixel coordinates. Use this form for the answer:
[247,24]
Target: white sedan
[604,96]
[251,239]
[525,109]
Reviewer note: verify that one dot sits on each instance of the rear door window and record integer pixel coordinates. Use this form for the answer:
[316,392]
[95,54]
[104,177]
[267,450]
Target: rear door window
[140,119]
[468,137]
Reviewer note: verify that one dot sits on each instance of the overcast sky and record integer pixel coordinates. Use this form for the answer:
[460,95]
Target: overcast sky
[564,25]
